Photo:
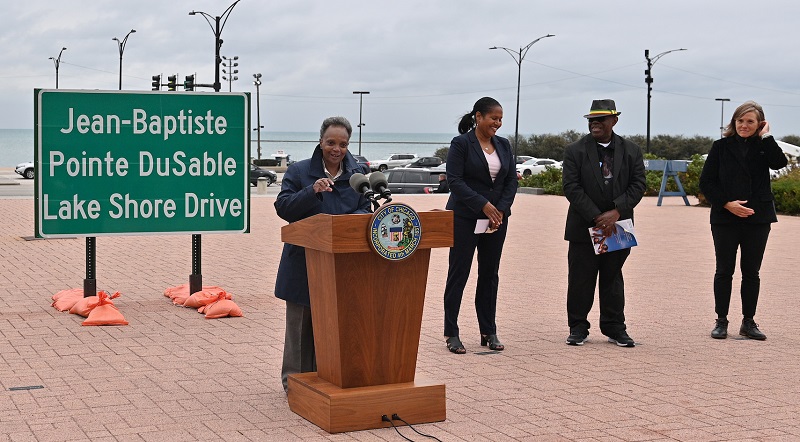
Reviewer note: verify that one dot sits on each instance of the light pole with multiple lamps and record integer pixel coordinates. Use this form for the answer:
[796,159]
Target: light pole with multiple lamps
[722,114]
[518,57]
[648,78]
[258,127]
[230,71]
[121,46]
[360,108]
[57,62]
[196,278]
[217,26]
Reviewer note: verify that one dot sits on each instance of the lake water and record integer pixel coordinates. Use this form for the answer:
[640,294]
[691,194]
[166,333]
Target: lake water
[16,145]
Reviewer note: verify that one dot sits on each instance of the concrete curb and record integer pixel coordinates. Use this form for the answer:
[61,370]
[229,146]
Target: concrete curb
[531,190]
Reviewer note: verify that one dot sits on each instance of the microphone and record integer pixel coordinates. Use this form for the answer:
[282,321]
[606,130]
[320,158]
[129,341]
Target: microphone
[379,184]
[359,183]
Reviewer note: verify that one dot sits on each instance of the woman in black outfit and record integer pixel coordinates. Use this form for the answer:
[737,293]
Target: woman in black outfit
[483,182]
[736,181]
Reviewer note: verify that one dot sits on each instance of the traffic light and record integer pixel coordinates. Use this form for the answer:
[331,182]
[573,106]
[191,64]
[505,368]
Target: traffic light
[157,82]
[188,83]
[172,83]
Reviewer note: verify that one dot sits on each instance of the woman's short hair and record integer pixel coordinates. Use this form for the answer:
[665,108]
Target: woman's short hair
[335,121]
[484,106]
[747,106]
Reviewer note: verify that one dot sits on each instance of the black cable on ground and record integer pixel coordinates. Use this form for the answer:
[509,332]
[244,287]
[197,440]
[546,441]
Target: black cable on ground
[398,418]
[385,418]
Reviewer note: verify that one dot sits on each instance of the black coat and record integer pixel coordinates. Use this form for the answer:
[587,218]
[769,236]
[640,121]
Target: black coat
[471,186]
[738,169]
[297,200]
[584,184]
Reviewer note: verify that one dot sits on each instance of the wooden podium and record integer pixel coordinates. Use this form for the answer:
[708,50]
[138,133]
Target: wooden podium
[367,314]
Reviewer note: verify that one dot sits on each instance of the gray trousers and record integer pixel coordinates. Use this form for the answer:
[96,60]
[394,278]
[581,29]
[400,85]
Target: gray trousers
[298,344]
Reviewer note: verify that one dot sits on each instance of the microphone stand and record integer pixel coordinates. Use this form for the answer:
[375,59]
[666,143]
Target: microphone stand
[376,197]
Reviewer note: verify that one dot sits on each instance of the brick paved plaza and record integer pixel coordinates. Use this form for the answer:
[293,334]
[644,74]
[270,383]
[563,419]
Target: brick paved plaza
[172,375]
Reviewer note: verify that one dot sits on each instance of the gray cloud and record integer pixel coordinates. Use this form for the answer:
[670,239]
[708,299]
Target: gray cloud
[425,62]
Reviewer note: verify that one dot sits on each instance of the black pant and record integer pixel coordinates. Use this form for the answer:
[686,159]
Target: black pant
[728,238]
[490,247]
[584,267]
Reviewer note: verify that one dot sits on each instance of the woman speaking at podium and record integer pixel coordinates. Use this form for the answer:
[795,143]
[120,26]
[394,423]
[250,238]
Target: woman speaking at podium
[309,187]
[482,176]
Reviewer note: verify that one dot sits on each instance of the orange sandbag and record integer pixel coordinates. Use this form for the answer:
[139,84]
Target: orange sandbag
[86,305]
[180,293]
[205,297]
[222,308]
[105,313]
[65,299]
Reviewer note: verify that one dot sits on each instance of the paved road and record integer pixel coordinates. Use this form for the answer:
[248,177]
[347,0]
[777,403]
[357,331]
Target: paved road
[173,376]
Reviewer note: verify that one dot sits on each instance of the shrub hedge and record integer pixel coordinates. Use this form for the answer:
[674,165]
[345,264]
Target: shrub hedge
[786,188]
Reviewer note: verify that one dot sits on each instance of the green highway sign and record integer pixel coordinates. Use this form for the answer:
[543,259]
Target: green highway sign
[141,163]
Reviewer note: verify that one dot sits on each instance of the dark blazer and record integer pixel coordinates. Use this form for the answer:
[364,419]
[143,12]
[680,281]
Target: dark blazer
[584,184]
[471,186]
[738,169]
[297,200]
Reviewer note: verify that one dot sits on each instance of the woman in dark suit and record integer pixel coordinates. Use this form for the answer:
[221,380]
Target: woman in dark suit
[483,182]
[736,181]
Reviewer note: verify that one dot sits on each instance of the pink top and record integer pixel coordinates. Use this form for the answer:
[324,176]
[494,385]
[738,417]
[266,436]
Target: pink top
[494,163]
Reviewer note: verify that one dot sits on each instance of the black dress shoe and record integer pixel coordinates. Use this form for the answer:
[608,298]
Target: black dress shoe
[750,329]
[492,342]
[720,329]
[455,346]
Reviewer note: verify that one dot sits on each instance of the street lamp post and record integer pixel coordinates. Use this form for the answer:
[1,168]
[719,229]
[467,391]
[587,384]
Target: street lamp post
[216,28]
[257,82]
[360,108]
[648,78]
[722,114]
[230,71]
[518,57]
[196,278]
[121,47]
[57,62]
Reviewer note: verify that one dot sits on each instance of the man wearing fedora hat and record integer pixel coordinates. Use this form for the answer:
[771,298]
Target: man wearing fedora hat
[604,179]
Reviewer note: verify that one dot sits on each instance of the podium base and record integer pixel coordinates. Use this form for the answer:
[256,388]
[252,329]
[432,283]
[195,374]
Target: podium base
[336,409]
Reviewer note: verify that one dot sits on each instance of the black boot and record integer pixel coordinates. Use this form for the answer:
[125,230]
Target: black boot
[720,329]
[750,329]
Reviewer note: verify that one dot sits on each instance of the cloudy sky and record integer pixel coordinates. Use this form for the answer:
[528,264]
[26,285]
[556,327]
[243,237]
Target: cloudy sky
[425,62]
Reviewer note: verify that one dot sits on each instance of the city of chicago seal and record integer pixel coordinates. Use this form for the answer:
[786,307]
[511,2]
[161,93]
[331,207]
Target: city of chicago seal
[395,231]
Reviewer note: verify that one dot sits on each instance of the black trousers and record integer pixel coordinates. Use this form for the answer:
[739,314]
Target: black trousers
[752,240]
[490,247]
[584,267]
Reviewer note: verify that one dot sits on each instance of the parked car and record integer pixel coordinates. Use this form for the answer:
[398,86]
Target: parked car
[394,160]
[523,158]
[362,161]
[425,162]
[26,170]
[536,166]
[257,172]
[412,180]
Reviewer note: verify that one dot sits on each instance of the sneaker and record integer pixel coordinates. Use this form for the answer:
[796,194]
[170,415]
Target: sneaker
[750,329]
[577,337]
[622,339]
[720,329]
